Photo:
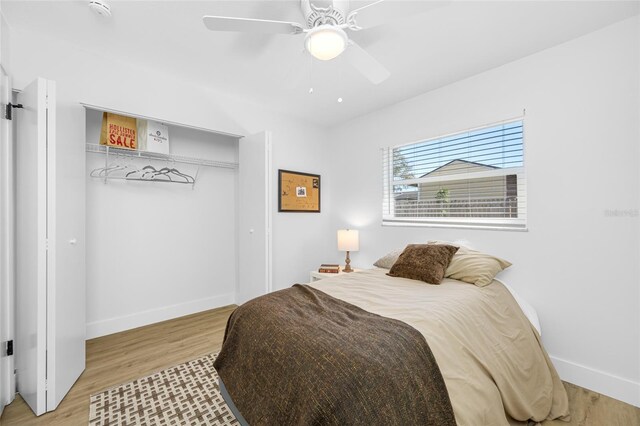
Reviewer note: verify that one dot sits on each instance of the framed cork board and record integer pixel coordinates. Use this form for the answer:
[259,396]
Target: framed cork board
[298,192]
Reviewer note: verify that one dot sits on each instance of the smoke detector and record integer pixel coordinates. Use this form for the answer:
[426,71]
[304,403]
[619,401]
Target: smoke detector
[100,8]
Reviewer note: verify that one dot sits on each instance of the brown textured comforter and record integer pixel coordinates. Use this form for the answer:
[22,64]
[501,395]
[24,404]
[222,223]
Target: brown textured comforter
[301,357]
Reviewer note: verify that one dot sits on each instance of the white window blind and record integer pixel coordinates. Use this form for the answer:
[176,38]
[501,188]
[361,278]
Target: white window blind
[468,179]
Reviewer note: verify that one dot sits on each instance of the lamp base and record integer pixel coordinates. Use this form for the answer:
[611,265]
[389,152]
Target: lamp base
[347,266]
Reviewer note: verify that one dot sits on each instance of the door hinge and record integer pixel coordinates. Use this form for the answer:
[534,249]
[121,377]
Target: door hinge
[9,348]
[8,114]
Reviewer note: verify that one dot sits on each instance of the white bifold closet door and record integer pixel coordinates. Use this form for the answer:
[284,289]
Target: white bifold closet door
[7,384]
[254,216]
[50,272]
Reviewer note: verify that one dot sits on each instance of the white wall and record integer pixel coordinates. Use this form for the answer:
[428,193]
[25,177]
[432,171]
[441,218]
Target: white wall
[578,267]
[298,239]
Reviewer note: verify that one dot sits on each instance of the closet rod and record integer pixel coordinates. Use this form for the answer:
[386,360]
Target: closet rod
[92,147]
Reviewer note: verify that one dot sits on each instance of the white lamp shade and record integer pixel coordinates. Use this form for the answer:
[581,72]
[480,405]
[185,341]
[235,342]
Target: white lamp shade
[348,240]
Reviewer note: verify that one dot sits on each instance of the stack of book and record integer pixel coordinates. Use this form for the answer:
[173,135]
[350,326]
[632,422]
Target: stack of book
[330,268]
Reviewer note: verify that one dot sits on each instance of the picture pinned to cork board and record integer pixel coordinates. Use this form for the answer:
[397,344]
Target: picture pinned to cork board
[299,192]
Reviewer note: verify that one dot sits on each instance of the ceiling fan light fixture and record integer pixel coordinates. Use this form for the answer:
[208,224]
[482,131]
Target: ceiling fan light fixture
[326,42]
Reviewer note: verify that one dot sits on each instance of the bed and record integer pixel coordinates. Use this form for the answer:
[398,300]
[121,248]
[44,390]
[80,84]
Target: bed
[488,352]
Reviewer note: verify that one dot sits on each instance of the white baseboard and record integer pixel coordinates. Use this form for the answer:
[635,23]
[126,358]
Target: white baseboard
[139,319]
[599,381]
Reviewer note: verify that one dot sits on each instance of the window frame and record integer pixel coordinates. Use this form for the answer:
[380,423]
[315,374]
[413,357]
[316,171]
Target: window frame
[504,223]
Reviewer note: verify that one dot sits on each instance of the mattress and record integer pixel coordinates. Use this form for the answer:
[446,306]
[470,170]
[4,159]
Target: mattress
[490,356]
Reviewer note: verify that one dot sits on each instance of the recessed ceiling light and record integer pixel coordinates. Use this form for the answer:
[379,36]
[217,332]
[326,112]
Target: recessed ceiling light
[339,100]
[310,90]
[100,8]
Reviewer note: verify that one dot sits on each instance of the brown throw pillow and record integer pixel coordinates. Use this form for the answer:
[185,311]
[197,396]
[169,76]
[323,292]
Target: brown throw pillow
[424,262]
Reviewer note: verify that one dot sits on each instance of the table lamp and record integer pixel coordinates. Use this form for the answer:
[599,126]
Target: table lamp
[348,241]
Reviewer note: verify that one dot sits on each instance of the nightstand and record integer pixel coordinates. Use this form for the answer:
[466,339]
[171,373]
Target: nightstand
[317,276]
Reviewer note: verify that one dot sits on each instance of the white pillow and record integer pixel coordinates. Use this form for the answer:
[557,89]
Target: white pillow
[388,259]
[472,266]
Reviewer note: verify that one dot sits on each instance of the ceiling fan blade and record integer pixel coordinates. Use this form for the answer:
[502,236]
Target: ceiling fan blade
[366,64]
[248,25]
[381,12]
[366,6]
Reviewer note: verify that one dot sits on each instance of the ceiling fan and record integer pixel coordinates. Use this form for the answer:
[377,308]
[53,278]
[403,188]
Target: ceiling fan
[325,33]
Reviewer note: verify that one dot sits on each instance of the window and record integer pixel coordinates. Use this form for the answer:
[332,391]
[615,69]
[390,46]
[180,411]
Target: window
[468,179]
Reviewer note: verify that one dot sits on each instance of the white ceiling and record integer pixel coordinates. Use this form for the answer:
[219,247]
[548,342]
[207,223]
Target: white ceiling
[448,41]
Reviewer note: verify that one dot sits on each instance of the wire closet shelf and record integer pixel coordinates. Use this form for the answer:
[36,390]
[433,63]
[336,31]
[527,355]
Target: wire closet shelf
[140,173]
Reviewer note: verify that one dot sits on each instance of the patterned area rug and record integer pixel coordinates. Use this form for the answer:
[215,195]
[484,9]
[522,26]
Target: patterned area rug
[187,394]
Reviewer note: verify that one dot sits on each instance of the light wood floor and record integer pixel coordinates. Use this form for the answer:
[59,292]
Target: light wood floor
[122,357]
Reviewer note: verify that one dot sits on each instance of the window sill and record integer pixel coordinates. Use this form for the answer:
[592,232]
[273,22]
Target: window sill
[455,226]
